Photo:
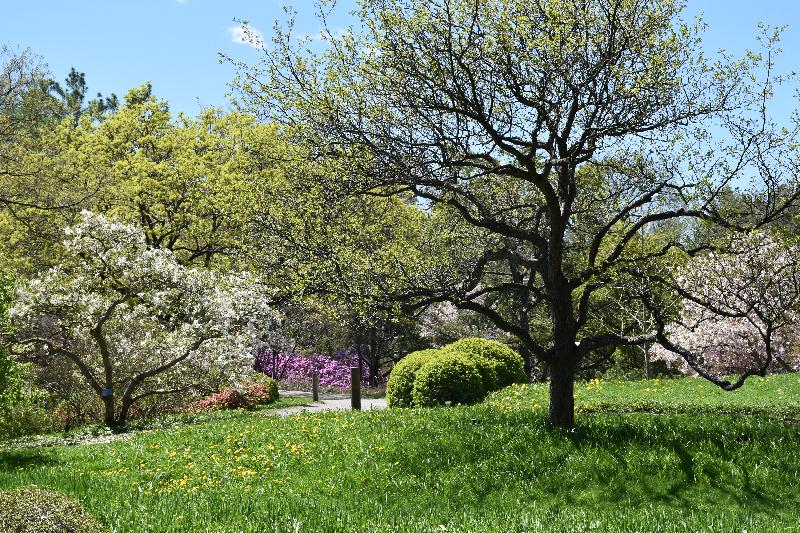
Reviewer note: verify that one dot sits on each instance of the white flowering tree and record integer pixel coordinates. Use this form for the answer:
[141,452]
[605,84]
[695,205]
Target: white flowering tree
[739,311]
[133,320]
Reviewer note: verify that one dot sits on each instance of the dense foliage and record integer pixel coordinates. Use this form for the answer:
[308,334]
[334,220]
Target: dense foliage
[261,388]
[11,379]
[445,376]
[449,378]
[224,399]
[400,387]
[20,409]
[258,390]
[507,364]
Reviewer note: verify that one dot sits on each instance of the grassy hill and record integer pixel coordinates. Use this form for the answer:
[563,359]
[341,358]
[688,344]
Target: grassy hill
[775,396]
[489,467]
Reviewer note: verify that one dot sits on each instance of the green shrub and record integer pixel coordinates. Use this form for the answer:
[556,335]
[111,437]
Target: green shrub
[261,389]
[448,377]
[37,510]
[508,364]
[401,381]
[487,368]
[23,407]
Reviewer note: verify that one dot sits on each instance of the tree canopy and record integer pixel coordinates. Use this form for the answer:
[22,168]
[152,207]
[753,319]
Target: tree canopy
[557,132]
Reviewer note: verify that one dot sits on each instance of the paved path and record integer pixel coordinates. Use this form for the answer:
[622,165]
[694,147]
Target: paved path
[328,402]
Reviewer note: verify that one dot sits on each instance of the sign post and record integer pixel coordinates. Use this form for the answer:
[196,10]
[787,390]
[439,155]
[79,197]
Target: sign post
[355,387]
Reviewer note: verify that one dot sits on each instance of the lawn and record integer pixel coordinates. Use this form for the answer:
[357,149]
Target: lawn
[489,467]
[775,396]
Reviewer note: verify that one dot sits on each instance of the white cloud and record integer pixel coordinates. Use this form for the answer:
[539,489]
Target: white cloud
[182,1]
[248,35]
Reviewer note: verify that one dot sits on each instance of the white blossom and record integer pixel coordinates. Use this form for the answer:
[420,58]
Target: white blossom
[152,312]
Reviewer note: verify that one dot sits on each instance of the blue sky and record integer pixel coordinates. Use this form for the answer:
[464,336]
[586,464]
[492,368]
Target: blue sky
[175,44]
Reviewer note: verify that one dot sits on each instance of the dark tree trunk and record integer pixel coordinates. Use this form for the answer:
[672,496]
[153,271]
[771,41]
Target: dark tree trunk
[562,400]
[360,354]
[565,356]
[373,359]
[123,411]
[374,367]
[109,411]
[527,358]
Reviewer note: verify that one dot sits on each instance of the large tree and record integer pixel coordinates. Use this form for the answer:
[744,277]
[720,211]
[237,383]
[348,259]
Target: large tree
[31,104]
[22,75]
[460,101]
[132,321]
[184,180]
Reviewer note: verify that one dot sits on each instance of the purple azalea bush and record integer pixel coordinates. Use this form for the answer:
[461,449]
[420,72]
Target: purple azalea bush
[294,366]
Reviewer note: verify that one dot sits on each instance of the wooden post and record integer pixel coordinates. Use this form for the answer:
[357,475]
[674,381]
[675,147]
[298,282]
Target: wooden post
[315,387]
[355,387]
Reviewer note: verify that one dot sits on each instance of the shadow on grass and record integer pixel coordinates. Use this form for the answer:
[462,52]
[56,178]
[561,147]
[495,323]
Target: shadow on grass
[679,462]
[15,460]
[708,455]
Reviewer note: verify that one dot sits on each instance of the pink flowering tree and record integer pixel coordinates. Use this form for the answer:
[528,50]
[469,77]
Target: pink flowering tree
[738,313]
[133,321]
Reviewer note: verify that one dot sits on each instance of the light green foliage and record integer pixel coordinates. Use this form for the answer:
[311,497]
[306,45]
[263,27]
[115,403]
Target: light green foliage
[190,182]
[39,510]
[400,386]
[433,377]
[43,183]
[316,240]
[23,408]
[496,460]
[508,364]
[487,368]
[21,403]
[336,258]
[183,179]
[448,378]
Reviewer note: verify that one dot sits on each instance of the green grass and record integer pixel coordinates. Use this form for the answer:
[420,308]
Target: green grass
[489,467]
[89,432]
[775,396]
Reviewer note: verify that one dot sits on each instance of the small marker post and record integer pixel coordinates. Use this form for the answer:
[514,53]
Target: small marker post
[355,388]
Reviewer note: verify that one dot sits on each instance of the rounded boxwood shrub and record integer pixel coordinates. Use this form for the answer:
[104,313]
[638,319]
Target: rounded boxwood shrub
[401,380]
[448,377]
[487,368]
[38,510]
[508,364]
